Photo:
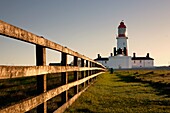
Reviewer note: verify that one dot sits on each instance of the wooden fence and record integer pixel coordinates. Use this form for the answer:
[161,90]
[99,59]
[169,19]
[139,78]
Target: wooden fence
[89,70]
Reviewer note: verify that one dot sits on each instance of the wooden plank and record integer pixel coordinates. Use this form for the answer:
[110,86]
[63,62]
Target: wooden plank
[82,72]
[7,72]
[70,102]
[23,35]
[90,72]
[35,101]
[64,78]
[76,75]
[42,79]
[87,71]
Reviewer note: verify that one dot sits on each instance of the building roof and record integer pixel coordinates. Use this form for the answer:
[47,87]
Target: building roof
[101,59]
[142,58]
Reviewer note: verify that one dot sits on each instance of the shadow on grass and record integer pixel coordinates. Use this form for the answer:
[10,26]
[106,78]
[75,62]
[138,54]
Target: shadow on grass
[161,88]
[84,110]
[127,79]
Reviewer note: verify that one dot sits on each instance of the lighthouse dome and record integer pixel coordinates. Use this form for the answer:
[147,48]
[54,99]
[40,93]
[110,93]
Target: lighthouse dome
[122,25]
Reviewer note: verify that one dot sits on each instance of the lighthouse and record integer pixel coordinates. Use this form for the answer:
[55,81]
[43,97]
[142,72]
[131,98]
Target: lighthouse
[121,59]
[122,48]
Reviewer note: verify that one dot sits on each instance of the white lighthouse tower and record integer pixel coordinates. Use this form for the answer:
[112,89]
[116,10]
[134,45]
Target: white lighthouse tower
[121,41]
[120,60]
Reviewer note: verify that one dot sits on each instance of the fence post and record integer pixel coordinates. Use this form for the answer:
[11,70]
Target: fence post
[75,75]
[87,72]
[90,72]
[41,79]
[64,77]
[95,71]
[82,72]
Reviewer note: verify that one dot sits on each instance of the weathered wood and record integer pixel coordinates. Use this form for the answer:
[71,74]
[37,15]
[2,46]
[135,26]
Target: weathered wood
[41,80]
[70,102]
[87,71]
[7,72]
[82,72]
[75,75]
[90,72]
[41,61]
[40,55]
[64,77]
[23,35]
[41,70]
[35,101]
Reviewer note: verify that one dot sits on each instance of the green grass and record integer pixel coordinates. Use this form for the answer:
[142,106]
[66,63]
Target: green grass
[121,92]
[124,91]
[161,76]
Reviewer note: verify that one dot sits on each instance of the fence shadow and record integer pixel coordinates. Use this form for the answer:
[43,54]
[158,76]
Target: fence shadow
[161,88]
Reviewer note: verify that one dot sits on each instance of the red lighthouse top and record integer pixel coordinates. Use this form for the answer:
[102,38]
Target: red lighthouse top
[122,25]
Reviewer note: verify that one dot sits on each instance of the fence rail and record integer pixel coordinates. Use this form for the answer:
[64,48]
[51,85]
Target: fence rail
[89,70]
[24,71]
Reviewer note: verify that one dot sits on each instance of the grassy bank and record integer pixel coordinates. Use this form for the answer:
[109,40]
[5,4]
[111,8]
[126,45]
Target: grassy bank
[122,92]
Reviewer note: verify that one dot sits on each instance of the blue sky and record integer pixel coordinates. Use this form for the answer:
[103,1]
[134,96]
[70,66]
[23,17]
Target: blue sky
[88,27]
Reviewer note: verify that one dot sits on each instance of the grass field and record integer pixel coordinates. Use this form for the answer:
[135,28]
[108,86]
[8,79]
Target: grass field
[134,91]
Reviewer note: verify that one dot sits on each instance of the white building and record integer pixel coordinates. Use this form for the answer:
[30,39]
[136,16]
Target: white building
[119,59]
[142,62]
[119,62]
[103,61]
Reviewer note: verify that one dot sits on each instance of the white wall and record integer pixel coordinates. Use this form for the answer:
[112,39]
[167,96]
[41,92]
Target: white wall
[142,63]
[121,42]
[119,62]
[103,62]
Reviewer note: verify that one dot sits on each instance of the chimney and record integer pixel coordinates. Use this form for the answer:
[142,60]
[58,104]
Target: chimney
[119,51]
[99,56]
[111,54]
[114,51]
[147,55]
[125,51]
[134,55]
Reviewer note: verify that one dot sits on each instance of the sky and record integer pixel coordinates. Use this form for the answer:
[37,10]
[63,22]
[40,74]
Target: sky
[88,27]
